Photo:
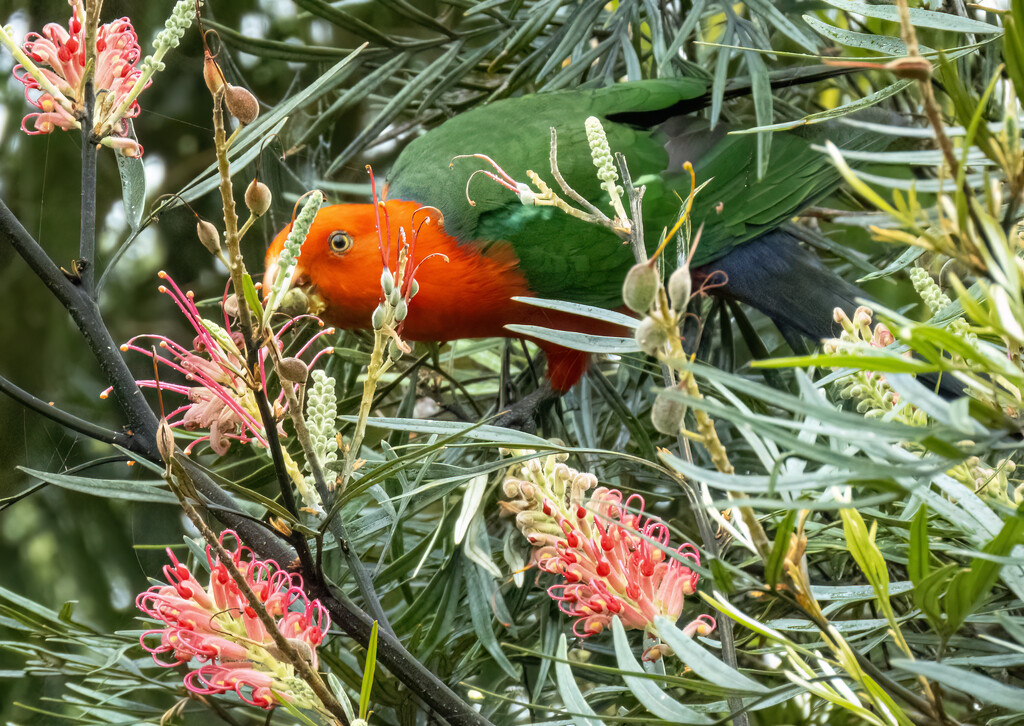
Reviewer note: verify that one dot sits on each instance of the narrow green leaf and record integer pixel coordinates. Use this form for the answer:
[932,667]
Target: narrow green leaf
[773,567]
[918,18]
[134,491]
[133,188]
[919,565]
[570,692]
[368,669]
[703,663]
[647,692]
[577,341]
[983,688]
[479,588]
[586,311]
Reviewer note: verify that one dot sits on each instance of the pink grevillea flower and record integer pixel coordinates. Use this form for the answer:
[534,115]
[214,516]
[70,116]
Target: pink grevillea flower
[55,77]
[611,560]
[220,390]
[215,631]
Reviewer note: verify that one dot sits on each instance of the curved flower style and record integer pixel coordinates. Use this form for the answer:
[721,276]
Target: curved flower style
[218,629]
[220,391]
[55,84]
[611,560]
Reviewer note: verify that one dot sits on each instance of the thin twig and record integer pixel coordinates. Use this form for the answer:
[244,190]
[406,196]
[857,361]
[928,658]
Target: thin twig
[65,419]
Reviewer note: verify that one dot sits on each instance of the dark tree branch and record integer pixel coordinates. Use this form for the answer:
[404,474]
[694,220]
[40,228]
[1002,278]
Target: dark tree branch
[143,426]
[68,420]
[86,265]
[84,311]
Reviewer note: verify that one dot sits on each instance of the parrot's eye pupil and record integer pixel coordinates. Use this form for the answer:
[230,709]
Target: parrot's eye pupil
[340,242]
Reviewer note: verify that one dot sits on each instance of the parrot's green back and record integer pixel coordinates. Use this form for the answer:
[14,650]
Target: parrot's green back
[568,259]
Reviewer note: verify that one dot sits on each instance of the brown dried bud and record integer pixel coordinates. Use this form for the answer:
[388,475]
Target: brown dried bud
[916,68]
[258,197]
[640,287]
[231,305]
[209,236]
[211,74]
[165,440]
[241,104]
[293,370]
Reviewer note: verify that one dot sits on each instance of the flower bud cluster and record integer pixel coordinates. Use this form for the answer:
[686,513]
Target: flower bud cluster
[874,395]
[936,300]
[322,419]
[601,154]
[396,294]
[289,256]
[991,483]
[611,560]
[217,633]
[179,21]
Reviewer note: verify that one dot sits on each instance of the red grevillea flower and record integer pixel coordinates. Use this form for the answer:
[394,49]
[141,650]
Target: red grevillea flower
[56,83]
[219,389]
[216,631]
[611,560]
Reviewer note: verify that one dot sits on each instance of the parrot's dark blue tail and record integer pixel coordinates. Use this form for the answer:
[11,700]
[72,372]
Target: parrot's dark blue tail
[790,285]
[786,282]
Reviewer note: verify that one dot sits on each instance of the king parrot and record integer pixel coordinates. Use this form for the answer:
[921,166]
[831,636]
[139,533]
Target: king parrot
[474,257]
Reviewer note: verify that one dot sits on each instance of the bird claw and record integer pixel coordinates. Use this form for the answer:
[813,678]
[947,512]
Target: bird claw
[524,413]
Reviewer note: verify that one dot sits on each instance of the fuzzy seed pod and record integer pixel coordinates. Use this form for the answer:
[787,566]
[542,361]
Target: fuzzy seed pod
[394,297]
[394,352]
[379,314]
[413,289]
[231,305]
[640,287]
[294,303]
[667,414]
[401,310]
[258,197]
[293,369]
[241,104]
[650,336]
[209,236]
[679,288]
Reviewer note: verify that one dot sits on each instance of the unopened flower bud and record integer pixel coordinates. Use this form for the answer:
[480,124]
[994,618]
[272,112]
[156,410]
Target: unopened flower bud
[401,310]
[679,287]
[165,440]
[667,414]
[209,236]
[387,281]
[294,370]
[650,336]
[511,488]
[241,104]
[211,74]
[258,197]
[379,314]
[640,287]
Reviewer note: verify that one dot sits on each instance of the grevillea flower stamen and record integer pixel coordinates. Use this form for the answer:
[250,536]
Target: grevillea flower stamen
[216,632]
[221,393]
[612,560]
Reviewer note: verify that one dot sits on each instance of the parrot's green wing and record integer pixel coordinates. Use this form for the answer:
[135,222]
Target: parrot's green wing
[565,258]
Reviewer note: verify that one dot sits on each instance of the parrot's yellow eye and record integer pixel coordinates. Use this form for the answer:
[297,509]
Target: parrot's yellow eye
[340,242]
